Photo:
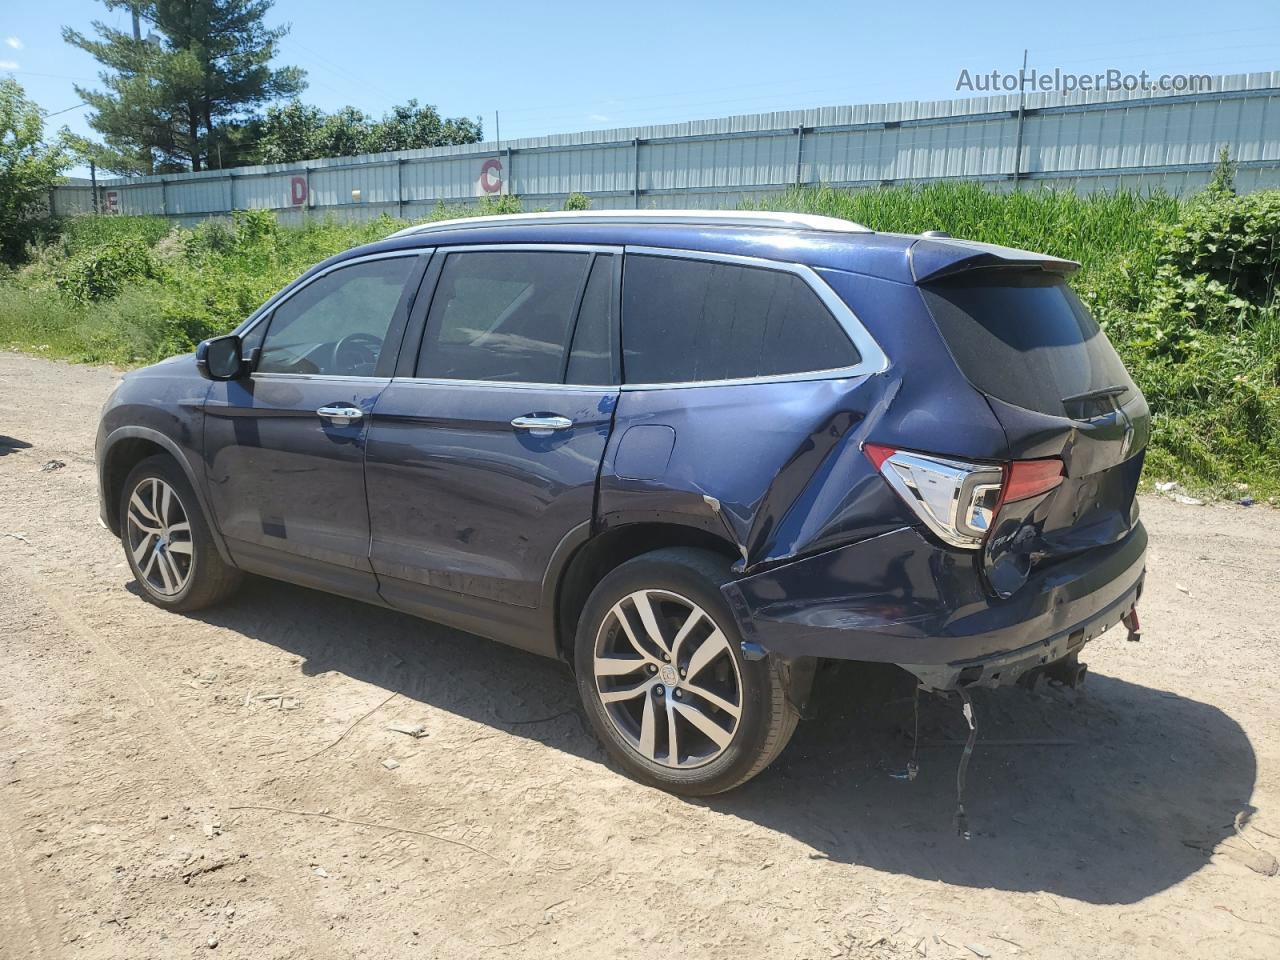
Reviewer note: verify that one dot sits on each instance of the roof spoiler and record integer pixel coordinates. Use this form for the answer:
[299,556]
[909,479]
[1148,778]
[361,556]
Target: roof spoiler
[933,258]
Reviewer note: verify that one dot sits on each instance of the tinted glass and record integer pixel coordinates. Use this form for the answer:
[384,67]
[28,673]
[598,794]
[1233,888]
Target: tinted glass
[591,359]
[1025,337]
[686,320]
[336,325]
[503,315]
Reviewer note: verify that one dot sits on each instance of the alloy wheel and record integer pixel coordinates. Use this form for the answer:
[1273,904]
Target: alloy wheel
[159,533]
[667,678]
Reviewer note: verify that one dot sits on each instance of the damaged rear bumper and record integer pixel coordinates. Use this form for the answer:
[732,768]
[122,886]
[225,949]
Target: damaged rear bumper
[899,598]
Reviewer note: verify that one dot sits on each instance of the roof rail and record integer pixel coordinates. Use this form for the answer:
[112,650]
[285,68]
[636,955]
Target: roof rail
[726,218]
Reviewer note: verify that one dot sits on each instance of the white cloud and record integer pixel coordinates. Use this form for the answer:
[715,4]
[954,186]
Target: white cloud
[13,42]
[597,118]
[8,65]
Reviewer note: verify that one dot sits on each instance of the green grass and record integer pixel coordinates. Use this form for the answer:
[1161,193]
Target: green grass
[131,290]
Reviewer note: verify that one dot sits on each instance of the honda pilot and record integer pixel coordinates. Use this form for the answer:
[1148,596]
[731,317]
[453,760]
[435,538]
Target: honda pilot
[692,454]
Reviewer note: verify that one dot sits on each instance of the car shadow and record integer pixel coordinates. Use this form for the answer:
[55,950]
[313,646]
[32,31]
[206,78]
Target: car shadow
[1122,794]
[10,445]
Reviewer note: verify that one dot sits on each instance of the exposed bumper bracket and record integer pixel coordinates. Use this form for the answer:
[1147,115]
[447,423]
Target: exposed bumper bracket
[1006,668]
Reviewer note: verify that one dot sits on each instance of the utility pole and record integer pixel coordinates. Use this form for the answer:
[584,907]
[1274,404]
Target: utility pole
[497,149]
[1022,115]
[137,23]
[93,181]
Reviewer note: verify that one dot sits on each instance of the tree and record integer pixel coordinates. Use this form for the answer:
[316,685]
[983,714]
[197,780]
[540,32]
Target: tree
[411,127]
[28,167]
[296,131]
[1223,180]
[180,97]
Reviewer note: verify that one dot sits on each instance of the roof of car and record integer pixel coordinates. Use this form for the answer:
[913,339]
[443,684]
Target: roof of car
[820,242]
[779,220]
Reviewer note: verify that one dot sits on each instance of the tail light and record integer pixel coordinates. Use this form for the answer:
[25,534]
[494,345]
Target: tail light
[957,500]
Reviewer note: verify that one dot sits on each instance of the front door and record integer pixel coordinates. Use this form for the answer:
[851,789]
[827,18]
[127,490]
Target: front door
[484,460]
[284,448]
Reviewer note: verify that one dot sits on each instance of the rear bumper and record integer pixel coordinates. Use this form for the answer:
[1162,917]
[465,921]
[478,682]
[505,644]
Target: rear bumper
[899,598]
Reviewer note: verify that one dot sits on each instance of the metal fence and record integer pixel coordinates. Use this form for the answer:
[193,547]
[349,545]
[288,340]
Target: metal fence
[1082,141]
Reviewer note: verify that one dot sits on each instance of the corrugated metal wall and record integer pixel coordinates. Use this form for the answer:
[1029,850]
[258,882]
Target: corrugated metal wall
[1082,141]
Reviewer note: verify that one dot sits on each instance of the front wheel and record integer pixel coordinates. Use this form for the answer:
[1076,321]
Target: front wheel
[167,540]
[661,672]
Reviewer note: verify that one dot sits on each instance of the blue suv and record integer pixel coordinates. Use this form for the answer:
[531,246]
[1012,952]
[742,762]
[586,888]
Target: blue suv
[693,454]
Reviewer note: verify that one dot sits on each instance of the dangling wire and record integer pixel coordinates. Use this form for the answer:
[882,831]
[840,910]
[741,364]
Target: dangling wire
[913,765]
[962,822]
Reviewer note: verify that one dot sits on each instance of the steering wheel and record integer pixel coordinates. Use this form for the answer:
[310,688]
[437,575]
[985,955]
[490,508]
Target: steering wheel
[356,351]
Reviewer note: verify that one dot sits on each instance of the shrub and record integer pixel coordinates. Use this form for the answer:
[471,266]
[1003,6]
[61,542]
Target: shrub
[1232,242]
[89,232]
[577,201]
[99,273]
[255,227]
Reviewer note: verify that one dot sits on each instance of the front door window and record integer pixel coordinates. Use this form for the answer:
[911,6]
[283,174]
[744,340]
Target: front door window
[336,325]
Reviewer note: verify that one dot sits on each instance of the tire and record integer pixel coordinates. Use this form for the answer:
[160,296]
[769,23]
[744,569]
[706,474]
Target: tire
[167,542]
[637,727]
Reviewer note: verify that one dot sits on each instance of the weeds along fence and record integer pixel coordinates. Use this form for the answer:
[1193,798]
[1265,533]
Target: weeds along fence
[1135,140]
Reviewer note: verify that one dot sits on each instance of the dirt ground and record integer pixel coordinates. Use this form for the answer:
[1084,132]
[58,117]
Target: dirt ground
[174,786]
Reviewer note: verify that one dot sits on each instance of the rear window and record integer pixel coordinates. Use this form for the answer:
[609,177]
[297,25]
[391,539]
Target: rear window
[686,320]
[1024,337]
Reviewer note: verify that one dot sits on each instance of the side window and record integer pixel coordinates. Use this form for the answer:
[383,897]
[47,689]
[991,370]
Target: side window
[687,320]
[504,315]
[591,357]
[336,324]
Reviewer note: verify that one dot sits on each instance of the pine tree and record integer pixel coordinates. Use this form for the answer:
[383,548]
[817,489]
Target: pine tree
[178,97]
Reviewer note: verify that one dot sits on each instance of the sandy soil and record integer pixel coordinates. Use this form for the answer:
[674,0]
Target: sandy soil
[174,786]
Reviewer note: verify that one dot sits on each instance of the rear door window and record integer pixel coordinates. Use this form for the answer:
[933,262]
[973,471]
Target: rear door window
[503,315]
[687,320]
[1024,337]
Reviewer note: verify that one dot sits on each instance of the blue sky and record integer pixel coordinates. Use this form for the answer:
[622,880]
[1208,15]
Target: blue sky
[555,67]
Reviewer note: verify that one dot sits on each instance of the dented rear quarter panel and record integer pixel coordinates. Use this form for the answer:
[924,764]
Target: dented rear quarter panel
[777,468]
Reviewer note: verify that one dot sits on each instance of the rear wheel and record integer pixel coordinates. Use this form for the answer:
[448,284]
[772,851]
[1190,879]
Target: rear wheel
[665,685]
[167,540]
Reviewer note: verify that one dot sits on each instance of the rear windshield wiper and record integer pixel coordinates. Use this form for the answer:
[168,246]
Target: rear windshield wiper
[1101,393]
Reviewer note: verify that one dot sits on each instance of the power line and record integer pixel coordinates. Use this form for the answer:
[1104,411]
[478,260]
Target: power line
[83,103]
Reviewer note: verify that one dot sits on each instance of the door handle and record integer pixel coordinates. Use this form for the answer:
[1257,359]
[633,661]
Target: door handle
[541,426]
[340,414]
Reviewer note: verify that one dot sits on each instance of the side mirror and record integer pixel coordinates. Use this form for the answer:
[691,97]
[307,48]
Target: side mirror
[220,358]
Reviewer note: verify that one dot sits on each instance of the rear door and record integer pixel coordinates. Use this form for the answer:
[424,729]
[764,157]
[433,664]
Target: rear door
[484,451]
[1025,340]
[284,448]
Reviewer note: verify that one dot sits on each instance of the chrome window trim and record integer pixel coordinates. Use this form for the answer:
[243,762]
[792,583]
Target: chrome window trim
[511,384]
[872,359]
[319,377]
[282,296]
[587,248]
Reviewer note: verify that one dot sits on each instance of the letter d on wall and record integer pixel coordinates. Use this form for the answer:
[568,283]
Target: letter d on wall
[298,191]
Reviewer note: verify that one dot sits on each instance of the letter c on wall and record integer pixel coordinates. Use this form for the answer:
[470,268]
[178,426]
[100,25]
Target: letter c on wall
[491,175]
